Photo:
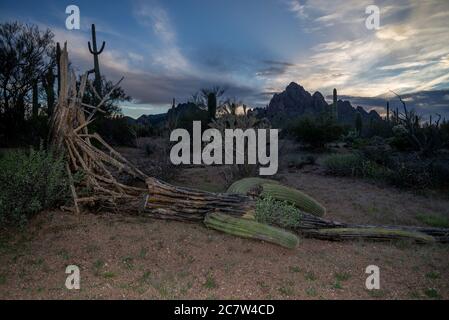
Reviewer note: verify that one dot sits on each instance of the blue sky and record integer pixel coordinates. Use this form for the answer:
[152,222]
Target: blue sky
[170,49]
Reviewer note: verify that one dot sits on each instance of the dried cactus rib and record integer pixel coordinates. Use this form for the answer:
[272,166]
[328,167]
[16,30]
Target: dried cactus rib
[244,186]
[295,197]
[378,234]
[251,229]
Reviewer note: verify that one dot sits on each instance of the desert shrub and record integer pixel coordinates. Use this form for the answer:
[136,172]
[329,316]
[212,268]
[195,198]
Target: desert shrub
[30,182]
[244,120]
[354,165]
[116,131]
[143,130]
[157,163]
[402,170]
[400,139]
[342,164]
[185,119]
[416,172]
[281,213]
[316,132]
[299,162]
[440,172]
[410,175]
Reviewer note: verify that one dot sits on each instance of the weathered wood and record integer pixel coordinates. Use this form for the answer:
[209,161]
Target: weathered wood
[165,201]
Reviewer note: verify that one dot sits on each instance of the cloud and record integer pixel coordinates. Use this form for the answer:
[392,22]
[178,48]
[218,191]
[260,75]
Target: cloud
[271,67]
[409,52]
[406,65]
[168,55]
[297,8]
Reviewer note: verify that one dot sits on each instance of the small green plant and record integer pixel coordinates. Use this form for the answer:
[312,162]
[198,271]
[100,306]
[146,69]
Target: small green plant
[146,277]
[128,262]
[295,269]
[310,276]
[64,254]
[433,275]
[311,292]
[432,293]
[143,253]
[342,276]
[286,289]
[279,213]
[337,285]
[97,266]
[210,282]
[2,279]
[31,181]
[109,275]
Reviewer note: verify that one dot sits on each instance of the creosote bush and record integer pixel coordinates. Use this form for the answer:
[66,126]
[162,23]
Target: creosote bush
[281,213]
[316,132]
[30,181]
[353,165]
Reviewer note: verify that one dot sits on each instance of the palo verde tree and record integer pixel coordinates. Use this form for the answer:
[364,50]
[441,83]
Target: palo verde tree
[26,56]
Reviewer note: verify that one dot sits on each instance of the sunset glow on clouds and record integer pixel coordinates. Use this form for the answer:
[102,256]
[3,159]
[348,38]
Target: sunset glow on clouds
[169,49]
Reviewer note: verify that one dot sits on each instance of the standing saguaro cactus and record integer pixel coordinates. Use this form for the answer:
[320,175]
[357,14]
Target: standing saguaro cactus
[335,106]
[388,111]
[358,123]
[212,105]
[93,50]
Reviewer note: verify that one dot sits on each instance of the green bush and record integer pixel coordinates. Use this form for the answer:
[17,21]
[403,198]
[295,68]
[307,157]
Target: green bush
[30,182]
[280,213]
[115,131]
[354,165]
[316,132]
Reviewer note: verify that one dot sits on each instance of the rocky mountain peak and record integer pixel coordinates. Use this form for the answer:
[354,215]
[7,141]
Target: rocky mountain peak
[295,101]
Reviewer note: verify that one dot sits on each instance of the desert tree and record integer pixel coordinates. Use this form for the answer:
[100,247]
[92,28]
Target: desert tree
[25,57]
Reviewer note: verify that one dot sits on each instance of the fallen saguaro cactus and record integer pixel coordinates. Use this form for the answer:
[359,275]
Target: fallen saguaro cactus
[297,198]
[272,188]
[245,185]
[247,228]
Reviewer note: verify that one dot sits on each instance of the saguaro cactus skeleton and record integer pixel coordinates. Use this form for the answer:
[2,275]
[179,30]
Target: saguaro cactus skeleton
[101,168]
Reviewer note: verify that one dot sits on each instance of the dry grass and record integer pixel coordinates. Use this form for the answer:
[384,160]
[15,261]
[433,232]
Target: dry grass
[137,258]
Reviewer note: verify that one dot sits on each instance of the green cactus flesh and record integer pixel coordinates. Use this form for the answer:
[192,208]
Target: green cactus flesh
[251,229]
[294,197]
[243,186]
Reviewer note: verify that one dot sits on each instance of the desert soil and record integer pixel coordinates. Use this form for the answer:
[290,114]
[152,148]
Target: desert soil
[128,257]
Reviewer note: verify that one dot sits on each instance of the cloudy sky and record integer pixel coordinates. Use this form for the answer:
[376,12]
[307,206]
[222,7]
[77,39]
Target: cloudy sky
[171,48]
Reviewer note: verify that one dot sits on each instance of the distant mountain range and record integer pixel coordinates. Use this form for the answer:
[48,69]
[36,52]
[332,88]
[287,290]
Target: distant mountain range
[425,103]
[148,120]
[295,101]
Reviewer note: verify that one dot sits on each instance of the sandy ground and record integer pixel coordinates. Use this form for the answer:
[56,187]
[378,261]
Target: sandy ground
[124,257]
